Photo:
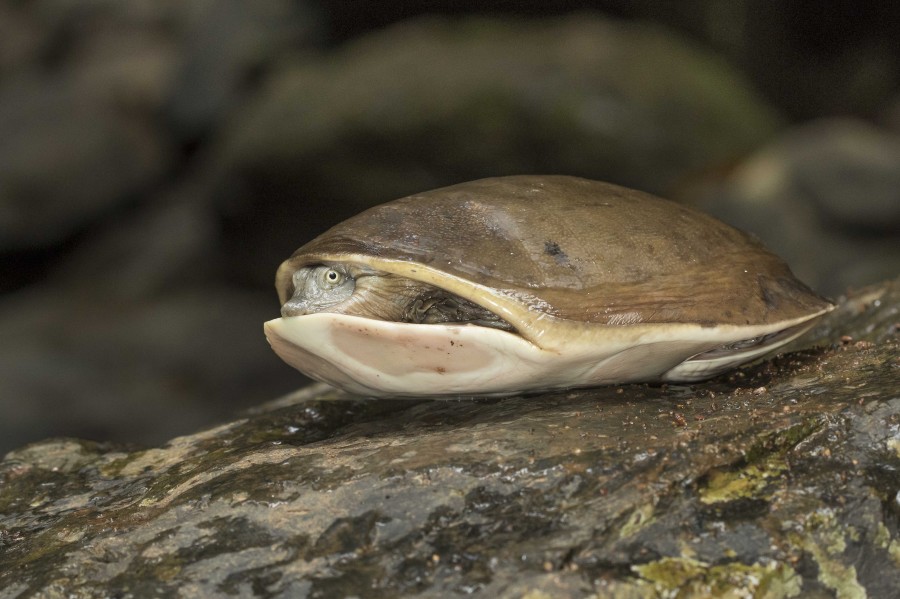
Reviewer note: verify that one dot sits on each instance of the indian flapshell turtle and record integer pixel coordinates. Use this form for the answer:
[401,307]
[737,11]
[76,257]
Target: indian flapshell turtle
[523,283]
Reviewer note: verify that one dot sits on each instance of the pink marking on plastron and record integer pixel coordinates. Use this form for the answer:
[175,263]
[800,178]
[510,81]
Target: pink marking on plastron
[397,352]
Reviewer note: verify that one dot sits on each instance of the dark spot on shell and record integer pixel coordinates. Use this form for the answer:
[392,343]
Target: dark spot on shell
[707,324]
[769,295]
[551,248]
[440,370]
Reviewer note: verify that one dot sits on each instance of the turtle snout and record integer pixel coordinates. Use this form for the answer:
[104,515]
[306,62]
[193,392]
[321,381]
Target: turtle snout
[292,307]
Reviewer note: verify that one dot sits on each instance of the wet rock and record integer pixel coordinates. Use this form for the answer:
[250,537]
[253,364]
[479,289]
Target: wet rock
[435,102]
[777,479]
[826,197]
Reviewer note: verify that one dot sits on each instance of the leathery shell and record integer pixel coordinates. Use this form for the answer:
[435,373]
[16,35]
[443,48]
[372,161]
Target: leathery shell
[602,284]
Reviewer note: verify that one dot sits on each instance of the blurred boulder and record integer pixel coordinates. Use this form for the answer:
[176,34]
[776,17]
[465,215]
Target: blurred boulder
[890,115]
[98,98]
[131,371]
[120,326]
[66,160]
[433,102]
[132,333]
[20,37]
[826,197]
[163,247]
[228,46]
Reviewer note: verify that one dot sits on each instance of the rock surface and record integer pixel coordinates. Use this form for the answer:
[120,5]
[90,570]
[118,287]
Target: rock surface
[776,480]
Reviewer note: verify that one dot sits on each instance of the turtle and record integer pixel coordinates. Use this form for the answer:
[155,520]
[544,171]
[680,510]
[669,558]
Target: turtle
[529,283]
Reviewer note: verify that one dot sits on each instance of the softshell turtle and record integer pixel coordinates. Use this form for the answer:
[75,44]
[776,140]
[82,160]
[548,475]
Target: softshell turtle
[524,283]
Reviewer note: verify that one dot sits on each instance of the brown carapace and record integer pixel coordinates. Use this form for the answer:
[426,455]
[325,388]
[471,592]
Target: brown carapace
[523,283]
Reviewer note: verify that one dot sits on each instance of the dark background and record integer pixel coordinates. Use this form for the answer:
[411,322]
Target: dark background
[159,159]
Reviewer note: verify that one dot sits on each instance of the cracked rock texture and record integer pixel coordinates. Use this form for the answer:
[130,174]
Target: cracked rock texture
[778,480]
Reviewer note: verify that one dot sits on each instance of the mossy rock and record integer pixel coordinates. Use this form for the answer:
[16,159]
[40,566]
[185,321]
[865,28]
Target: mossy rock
[777,480]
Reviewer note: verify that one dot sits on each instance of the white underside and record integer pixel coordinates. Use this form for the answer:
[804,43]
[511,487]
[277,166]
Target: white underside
[378,358]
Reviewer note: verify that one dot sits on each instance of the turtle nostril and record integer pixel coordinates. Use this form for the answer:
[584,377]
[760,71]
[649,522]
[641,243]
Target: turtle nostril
[293,308]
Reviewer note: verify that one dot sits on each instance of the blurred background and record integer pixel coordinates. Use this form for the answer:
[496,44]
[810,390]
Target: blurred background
[159,158]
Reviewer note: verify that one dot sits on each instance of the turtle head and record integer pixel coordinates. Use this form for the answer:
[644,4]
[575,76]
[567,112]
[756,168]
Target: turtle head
[346,288]
[319,288]
[351,288]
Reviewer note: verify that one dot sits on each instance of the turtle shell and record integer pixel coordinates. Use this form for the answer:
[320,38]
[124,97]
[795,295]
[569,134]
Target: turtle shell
[575,249]
[600,283]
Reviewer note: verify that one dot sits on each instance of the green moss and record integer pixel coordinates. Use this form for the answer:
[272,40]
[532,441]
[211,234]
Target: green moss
[780,442]
[765,461]
[824,540]
[671,572]
[828,532]
[836,575]
[894,445]
[748,482]
[882,535]
[685,577]
[894,551]
[118,467]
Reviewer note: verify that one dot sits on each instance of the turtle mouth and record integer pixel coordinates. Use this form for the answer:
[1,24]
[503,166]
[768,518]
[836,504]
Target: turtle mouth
[438,306]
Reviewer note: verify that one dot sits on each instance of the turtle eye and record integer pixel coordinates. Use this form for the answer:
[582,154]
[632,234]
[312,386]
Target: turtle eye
[330,278]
